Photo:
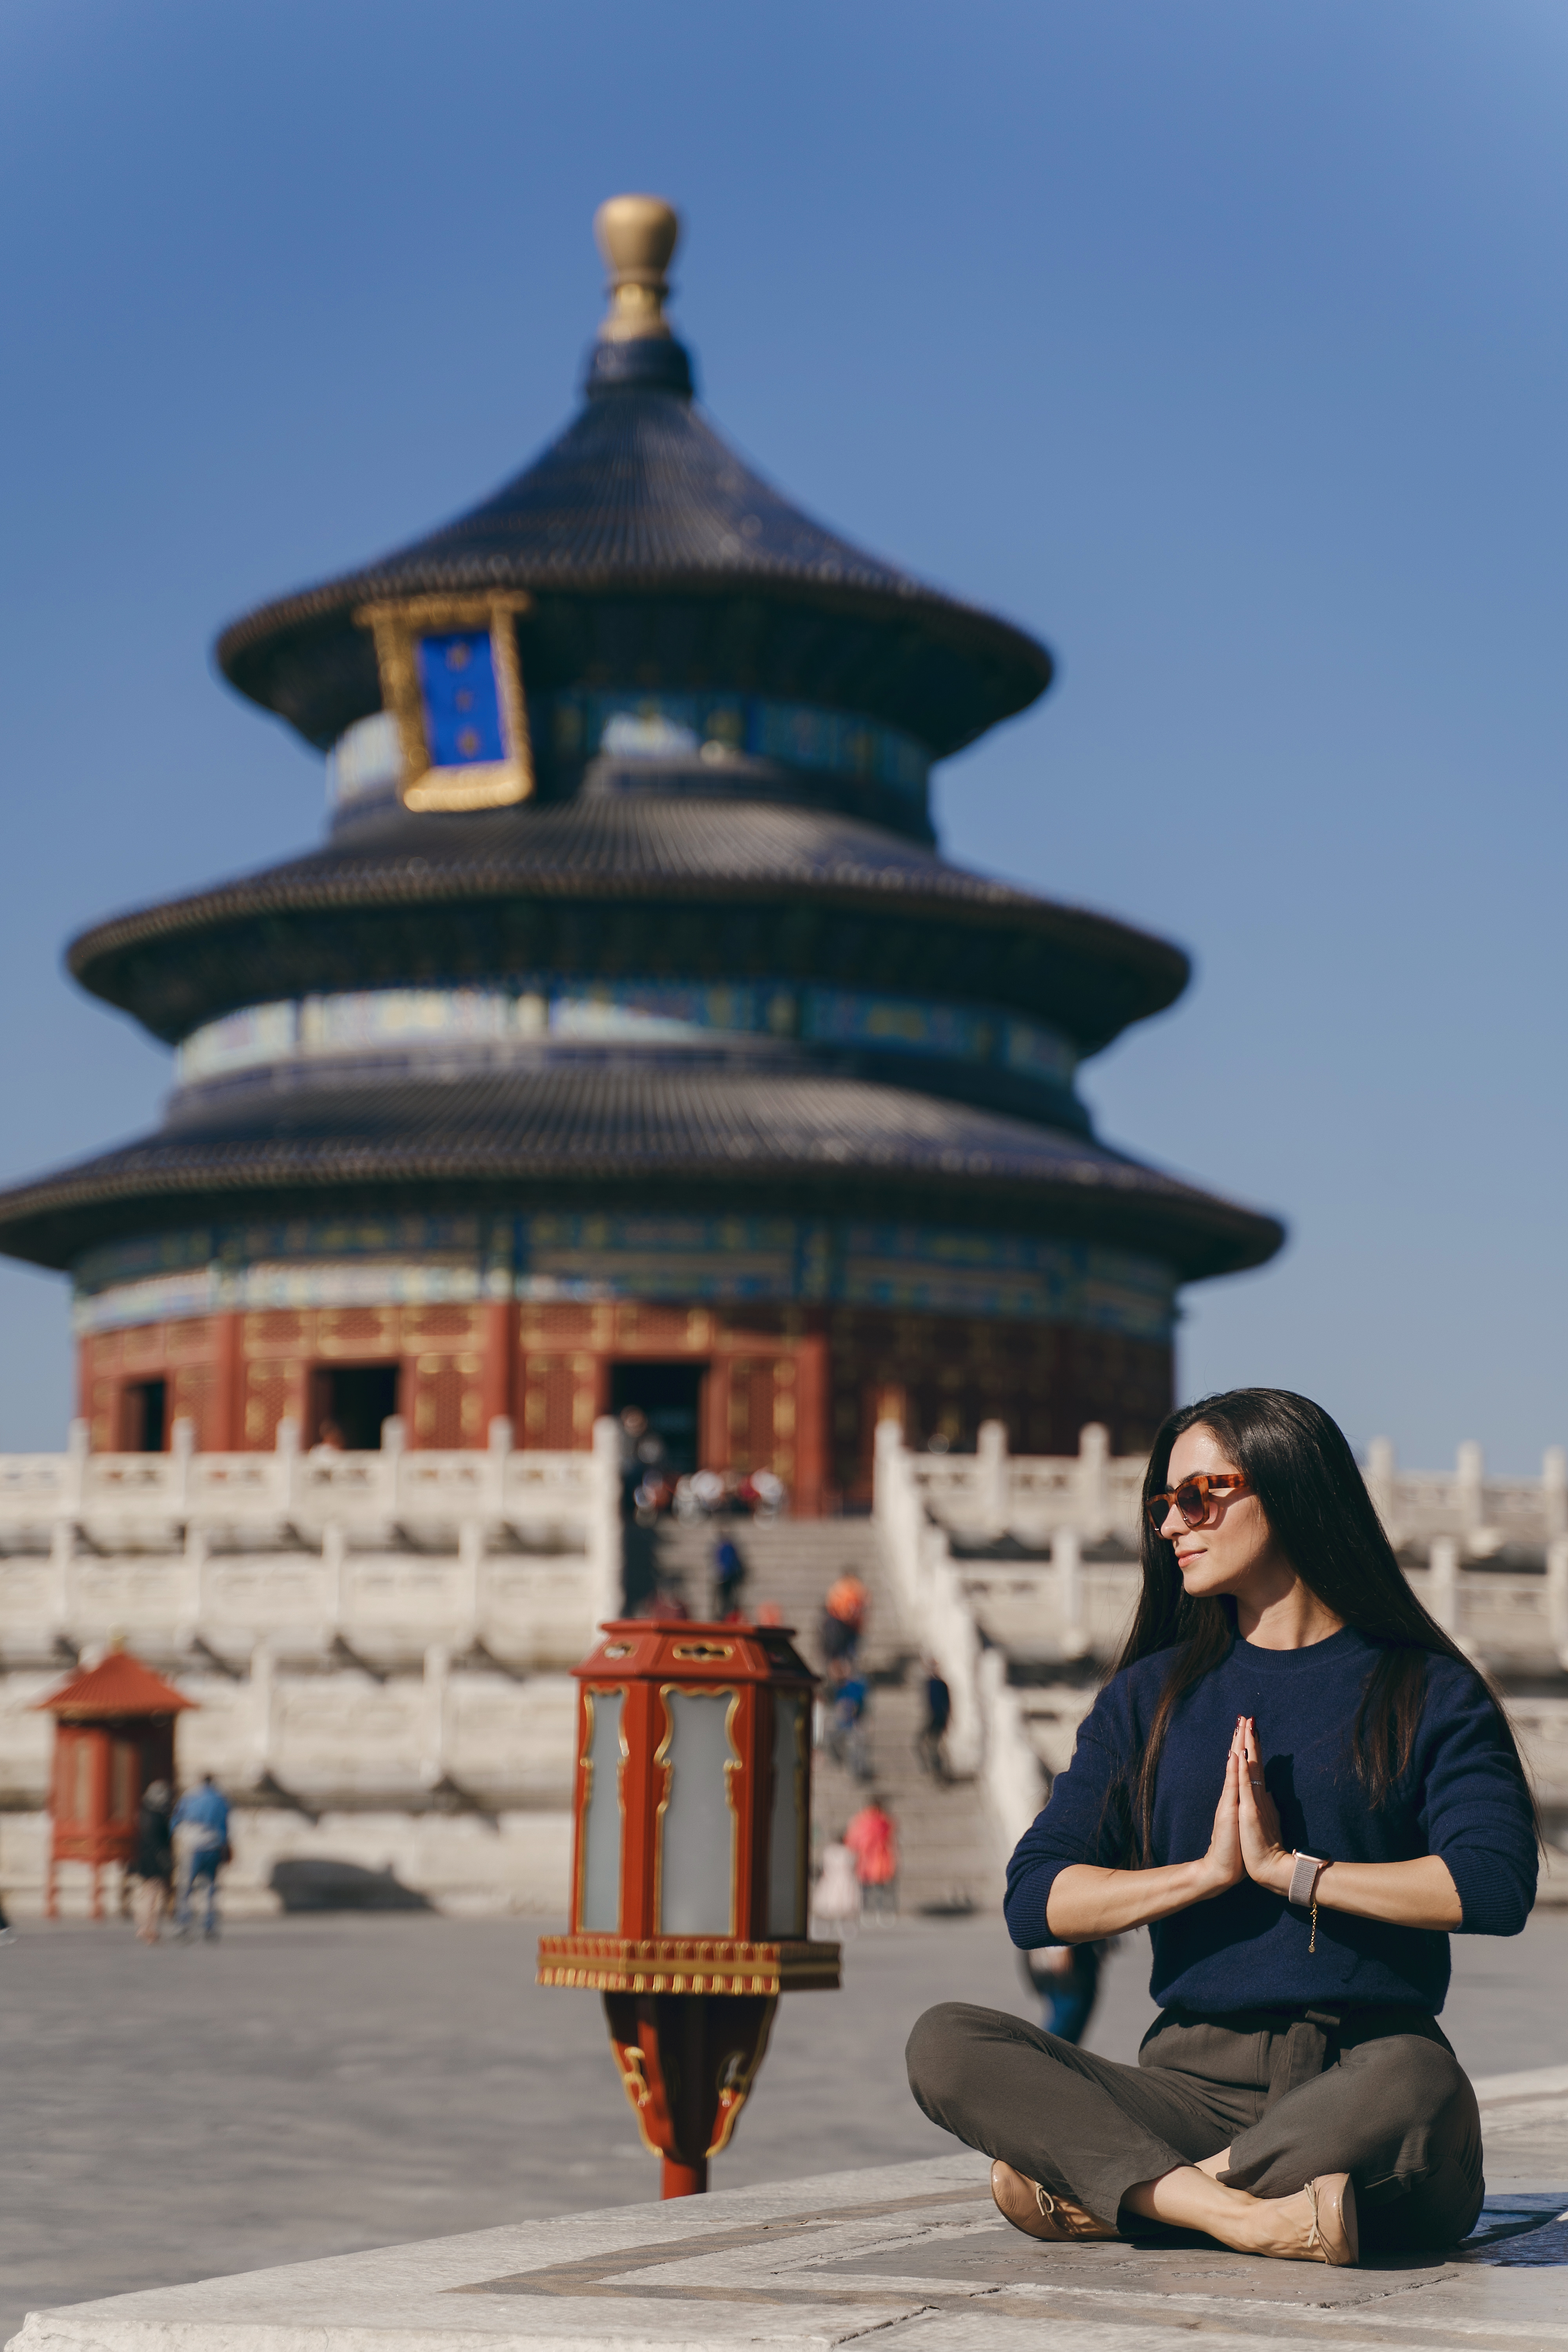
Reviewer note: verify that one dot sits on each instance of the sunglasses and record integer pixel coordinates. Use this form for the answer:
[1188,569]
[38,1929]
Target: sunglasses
[1194,1498]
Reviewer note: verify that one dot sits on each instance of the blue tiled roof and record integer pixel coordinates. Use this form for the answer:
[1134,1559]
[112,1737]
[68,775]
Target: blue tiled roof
[640,495]
[548,1132]
[170,964]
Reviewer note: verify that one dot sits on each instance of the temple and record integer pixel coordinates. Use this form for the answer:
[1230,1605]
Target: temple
[627,1040]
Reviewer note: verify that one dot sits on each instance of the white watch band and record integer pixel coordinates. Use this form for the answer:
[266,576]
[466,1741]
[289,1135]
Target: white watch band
[1304,1878]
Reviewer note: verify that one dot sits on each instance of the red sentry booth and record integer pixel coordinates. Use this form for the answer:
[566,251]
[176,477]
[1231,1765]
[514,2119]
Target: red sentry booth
[114,1735]
[691,1869]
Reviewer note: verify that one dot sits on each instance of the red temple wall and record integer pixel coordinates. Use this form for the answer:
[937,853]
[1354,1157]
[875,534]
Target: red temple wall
[797,1390]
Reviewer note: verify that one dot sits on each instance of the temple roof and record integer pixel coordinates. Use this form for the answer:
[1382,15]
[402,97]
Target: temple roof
[263,936]
[825,1143]
[656,557]
[650,560]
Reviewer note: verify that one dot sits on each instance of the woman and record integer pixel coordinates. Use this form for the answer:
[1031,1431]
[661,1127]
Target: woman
[1296,1781]
[152,1863]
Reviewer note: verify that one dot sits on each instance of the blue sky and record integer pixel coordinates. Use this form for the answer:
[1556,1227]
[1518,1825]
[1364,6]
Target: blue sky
[1221,343]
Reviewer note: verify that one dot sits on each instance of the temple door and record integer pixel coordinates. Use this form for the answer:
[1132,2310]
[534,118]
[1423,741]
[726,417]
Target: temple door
[762,1415]
[560,1399]
[447,1399]
[272,1391]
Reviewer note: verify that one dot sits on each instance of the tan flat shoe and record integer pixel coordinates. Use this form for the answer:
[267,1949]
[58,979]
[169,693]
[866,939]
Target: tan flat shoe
[1038,2213]
[1335,2235]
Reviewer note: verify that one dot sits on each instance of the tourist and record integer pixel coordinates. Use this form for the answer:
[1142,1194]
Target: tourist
[152,1862]
[929,1739]
[769,1494]
[843,1616]
[729,1576]
[1300,1783]
[873,1841]
[201,1843]
[836,1897]
[640,1451]
[847,1698]
[1066,1978]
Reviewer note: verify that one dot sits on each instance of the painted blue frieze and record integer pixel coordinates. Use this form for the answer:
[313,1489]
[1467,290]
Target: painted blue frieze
[626,1012]
[784,1260]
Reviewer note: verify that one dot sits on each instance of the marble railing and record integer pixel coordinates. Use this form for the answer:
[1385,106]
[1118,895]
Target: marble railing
[342,1739]
[1095,1495]
[386,1552]
[1488,1556]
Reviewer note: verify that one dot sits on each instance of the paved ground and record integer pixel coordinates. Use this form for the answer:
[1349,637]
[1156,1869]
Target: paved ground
[914,2255]
[307,2088]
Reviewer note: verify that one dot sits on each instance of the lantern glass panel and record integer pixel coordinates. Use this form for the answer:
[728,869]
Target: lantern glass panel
[786,1818]
[698,1824]
[600,1886]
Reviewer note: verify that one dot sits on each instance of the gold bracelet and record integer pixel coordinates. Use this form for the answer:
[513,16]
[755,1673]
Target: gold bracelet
[1303,1889]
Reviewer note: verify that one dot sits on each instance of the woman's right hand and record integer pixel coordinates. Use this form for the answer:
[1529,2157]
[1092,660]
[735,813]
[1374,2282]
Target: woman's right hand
[1088,1901]
[1222,1864]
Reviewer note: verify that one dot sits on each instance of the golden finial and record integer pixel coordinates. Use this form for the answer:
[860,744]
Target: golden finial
[636,235]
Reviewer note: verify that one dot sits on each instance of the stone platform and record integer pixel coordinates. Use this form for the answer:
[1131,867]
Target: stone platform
[914,2254]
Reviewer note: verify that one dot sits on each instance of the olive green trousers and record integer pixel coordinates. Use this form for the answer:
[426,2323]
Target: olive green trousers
[1292,2092]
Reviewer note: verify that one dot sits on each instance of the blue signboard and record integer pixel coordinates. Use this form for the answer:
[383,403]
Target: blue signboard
[462,704]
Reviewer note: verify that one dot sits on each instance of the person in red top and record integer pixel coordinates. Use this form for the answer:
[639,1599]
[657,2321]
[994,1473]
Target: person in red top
[873,1841]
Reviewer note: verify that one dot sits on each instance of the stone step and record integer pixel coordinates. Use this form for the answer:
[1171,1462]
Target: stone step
[947,1852]
[791,1563]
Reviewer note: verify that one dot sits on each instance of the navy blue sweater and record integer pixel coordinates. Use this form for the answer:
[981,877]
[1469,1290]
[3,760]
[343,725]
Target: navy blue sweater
[1463,1797]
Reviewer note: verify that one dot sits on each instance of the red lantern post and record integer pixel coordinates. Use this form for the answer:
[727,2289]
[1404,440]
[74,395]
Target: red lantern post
[691,1869]
[114,1735]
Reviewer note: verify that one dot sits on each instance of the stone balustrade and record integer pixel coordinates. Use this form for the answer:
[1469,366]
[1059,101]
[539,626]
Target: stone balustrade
[1095,1495]
[384,1553]
[462,1737]
[1488,1556]
[376,1643]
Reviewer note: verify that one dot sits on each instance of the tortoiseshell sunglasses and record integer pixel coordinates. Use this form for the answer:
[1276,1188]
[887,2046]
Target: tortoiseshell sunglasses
[1192,1497]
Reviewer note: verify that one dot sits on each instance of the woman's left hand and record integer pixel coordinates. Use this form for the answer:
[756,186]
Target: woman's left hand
[1419,1893]
[1264,1857]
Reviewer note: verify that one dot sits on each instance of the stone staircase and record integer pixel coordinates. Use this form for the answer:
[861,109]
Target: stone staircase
[947,1858]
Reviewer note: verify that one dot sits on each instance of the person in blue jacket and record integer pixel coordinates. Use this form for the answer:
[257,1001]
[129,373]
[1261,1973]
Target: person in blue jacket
[200,1827]
[1301,1785]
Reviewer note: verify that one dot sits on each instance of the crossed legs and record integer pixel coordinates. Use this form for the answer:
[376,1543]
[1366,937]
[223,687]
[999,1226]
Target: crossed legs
[1172,2144]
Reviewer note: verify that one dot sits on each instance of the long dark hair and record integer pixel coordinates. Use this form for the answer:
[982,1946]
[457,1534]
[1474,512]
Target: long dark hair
[1314,1495]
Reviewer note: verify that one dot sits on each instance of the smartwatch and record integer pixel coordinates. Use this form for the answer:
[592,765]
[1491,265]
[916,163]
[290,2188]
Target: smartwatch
[1304,1878]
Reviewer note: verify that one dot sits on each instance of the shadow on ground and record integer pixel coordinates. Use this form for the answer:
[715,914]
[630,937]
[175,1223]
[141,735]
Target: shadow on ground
[326,1886]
